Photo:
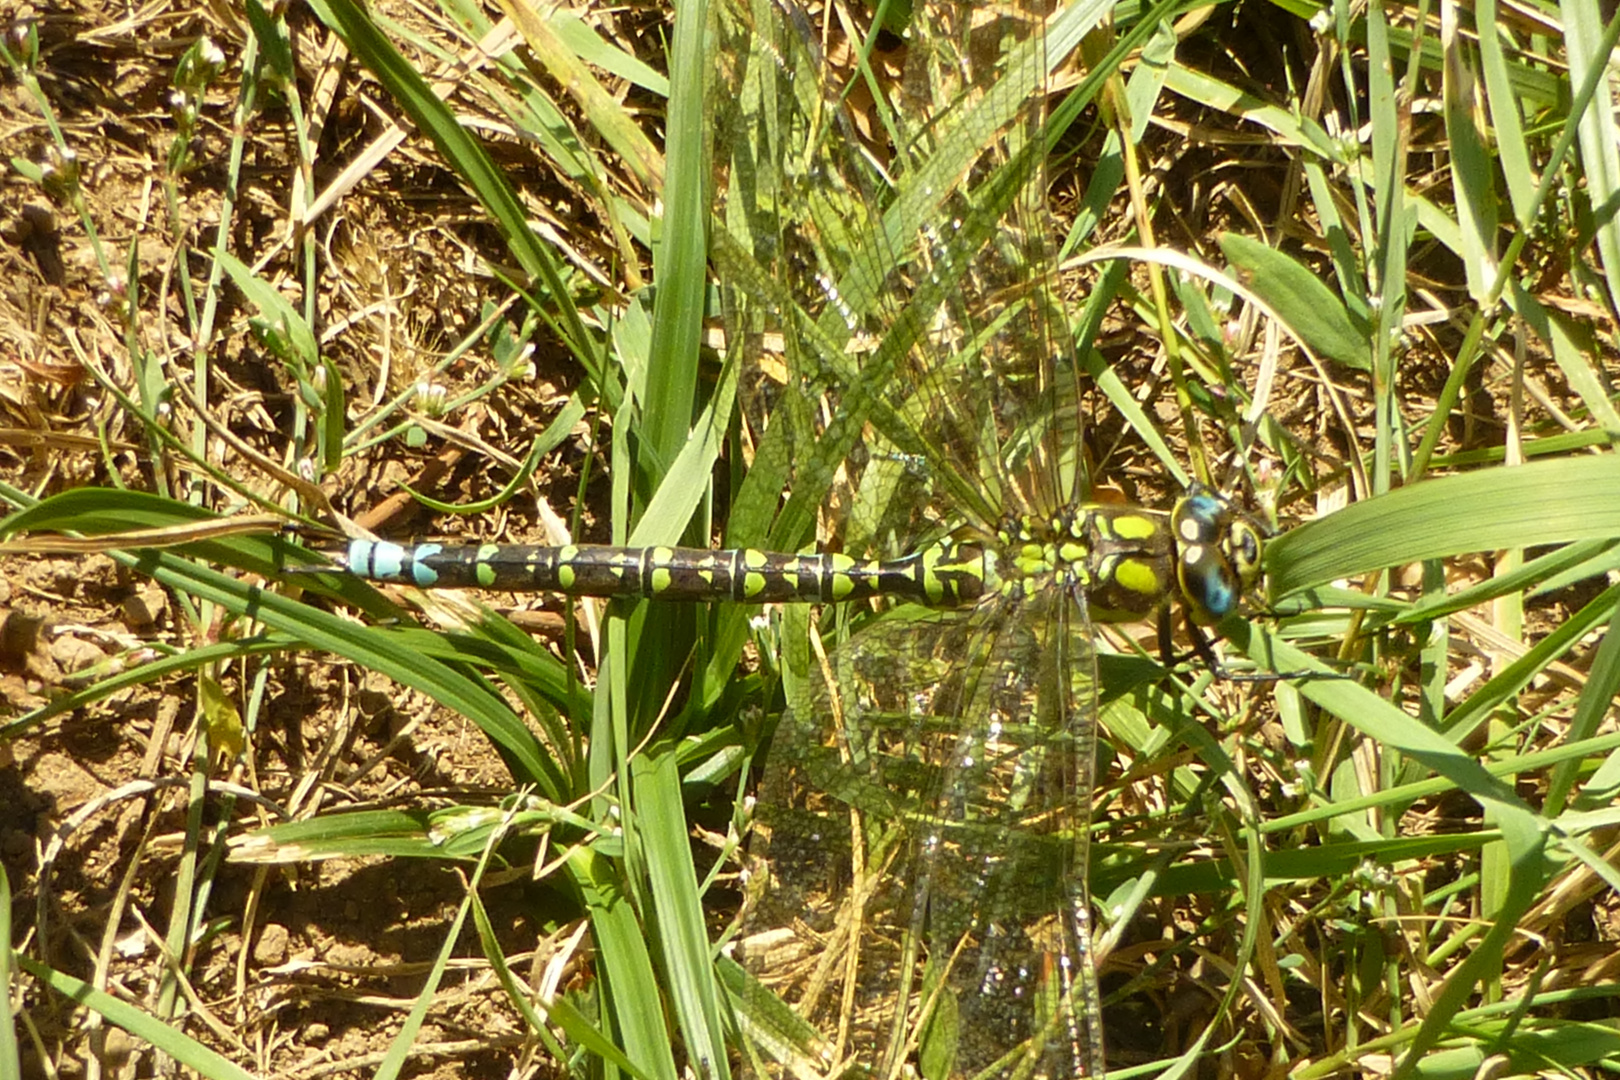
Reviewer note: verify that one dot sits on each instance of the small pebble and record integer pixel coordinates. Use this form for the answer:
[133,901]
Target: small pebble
[145,606]
[271,948]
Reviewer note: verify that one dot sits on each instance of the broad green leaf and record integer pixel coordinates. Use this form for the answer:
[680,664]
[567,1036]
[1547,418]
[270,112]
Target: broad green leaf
[1308,307]
[1542,502]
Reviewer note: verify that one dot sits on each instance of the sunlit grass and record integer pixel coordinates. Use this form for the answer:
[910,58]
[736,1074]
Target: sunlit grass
[1388,845]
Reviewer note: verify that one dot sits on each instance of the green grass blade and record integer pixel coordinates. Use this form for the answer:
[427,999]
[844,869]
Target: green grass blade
[1526,872]
[1473,179]
[677,911]
[1512,149]
[1561,567]
[1598,696]
[770,1025]
[1299,298]
[1116,865]
[400,1048]
[138,1022]
[96,511]
[580,1031]
[679,262]
[1521,830]
[190,660]
[1502,687]
[453,832]
[687,480]
[1577,354]
[9,1062]
[1396,221]
[1542,502]
[629,985]
[1378,719]
[373,650]
[1599,135]
[555,51]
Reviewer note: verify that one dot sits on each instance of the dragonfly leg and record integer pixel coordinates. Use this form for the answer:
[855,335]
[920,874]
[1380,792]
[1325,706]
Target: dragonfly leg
[1200,641]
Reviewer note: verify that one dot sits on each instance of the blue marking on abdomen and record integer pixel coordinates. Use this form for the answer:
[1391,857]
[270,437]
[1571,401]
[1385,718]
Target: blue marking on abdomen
[361,556]
[383,561]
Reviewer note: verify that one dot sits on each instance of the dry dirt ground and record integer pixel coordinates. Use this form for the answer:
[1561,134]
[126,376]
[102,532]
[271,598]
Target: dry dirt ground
[306,971]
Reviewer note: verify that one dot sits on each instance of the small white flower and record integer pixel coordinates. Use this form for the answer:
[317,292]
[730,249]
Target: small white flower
[431,397]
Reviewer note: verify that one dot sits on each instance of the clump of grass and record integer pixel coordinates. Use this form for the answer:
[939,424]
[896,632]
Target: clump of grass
[1368,265]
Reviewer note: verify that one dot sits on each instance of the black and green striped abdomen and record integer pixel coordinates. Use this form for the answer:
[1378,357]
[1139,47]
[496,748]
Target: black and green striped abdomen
[1128,560]
[942,574]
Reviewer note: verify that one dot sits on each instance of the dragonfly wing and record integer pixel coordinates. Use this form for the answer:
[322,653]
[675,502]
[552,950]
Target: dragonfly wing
[883,224]
[926,832]
[901,249]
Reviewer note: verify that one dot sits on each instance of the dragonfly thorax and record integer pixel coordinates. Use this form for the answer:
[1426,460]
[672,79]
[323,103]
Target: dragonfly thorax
[1130,562]
[1034,565]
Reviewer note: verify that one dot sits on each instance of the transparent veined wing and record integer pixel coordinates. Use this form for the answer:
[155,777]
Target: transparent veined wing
[923,815]
[924,821]
[901,252]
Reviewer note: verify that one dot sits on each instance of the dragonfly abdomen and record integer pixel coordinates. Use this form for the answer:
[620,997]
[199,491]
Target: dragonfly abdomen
[941,575]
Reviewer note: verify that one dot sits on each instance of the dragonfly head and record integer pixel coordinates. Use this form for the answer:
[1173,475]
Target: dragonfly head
[1217,554]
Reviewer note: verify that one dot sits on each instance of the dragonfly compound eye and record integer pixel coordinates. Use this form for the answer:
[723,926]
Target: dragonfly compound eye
[1243,546]
[1209,585]
[1218,555]
[1197,518]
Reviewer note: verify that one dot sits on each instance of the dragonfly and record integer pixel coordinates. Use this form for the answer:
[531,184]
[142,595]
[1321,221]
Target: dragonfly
[924,811]
[968,729]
